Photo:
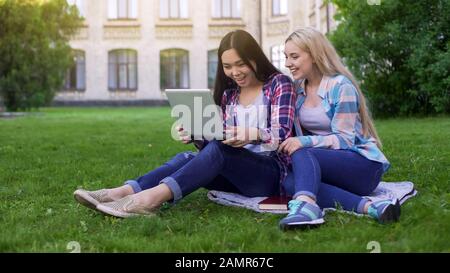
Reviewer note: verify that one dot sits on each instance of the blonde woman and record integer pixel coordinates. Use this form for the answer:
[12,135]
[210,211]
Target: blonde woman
[336,156]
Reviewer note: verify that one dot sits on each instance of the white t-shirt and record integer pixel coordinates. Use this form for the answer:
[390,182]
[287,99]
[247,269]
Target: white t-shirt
[253,115]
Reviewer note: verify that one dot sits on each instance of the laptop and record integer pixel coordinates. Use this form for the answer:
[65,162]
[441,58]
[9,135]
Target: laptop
[197,113]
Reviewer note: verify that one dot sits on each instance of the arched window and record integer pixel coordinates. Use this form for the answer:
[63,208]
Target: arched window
[212,67]
[122,70]
[76,74]
[174,68]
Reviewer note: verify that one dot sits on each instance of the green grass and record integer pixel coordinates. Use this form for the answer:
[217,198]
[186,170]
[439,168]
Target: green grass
[45,156]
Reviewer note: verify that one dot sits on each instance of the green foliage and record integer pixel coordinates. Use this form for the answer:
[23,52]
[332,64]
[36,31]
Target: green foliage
[400,50]
[34,51]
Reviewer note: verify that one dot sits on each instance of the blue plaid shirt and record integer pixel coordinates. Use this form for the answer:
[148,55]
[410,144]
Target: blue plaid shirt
[340,101]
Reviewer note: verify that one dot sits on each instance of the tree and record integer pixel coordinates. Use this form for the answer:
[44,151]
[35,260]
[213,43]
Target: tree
[34,50]
[400,50]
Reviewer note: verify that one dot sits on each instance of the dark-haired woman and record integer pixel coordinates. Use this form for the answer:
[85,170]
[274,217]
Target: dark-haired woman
[257,103]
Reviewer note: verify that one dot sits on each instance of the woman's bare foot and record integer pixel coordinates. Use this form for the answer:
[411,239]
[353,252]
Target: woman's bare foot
[153,197]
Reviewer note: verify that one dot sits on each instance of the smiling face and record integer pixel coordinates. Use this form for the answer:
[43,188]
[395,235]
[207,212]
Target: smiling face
[235,68]
[298,61]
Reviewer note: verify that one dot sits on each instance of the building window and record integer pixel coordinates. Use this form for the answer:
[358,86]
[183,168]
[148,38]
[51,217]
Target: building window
[80,6]
[174,68]
[174,9]
[75,79]
[278,58]
[279,7]
[226,8]
[122,70]
[212,67]
[122,9]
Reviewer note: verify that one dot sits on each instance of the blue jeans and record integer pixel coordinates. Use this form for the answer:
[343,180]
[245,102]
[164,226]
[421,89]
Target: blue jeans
[333,176]
[217,167]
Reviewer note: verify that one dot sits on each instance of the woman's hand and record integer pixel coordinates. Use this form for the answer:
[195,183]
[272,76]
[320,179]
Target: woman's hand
[184,136]
[290,145]
[240,136]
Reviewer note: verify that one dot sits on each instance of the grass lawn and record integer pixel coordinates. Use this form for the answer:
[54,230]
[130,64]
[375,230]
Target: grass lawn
[45,156]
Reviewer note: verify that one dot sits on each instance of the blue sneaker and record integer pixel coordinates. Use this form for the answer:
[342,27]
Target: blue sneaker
[302,214]
[385,211]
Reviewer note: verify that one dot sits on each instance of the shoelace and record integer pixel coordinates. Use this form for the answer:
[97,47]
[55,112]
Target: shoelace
[294,205]
[374,208]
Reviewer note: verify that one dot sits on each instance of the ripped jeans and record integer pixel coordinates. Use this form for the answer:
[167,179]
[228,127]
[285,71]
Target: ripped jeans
[216,167]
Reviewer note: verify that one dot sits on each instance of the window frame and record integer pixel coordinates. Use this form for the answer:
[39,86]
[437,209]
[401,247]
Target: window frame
[164,64]
[118,66]
[212,63]
[180,15]
[221,10]
[280,12]
[68,85]
[131,11]
[281,61]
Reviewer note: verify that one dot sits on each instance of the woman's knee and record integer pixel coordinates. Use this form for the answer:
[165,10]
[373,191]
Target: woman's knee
[215,145]
[376,179]
[182,158]
[301,153]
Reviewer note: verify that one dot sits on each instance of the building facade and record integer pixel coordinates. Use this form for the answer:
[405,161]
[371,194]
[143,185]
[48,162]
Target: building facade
[131,50]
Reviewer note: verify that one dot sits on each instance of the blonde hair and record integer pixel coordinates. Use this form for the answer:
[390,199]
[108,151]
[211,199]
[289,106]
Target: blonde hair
[329,63]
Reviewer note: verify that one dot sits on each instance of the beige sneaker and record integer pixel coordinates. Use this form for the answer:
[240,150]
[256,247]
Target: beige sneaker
[125,208]
[91,199]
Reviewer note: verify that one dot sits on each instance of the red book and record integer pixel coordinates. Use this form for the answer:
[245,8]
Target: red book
[275,203]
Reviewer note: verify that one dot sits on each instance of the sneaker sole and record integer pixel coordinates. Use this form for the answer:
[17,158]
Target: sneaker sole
[391,213]
[85,199]
[302,225]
